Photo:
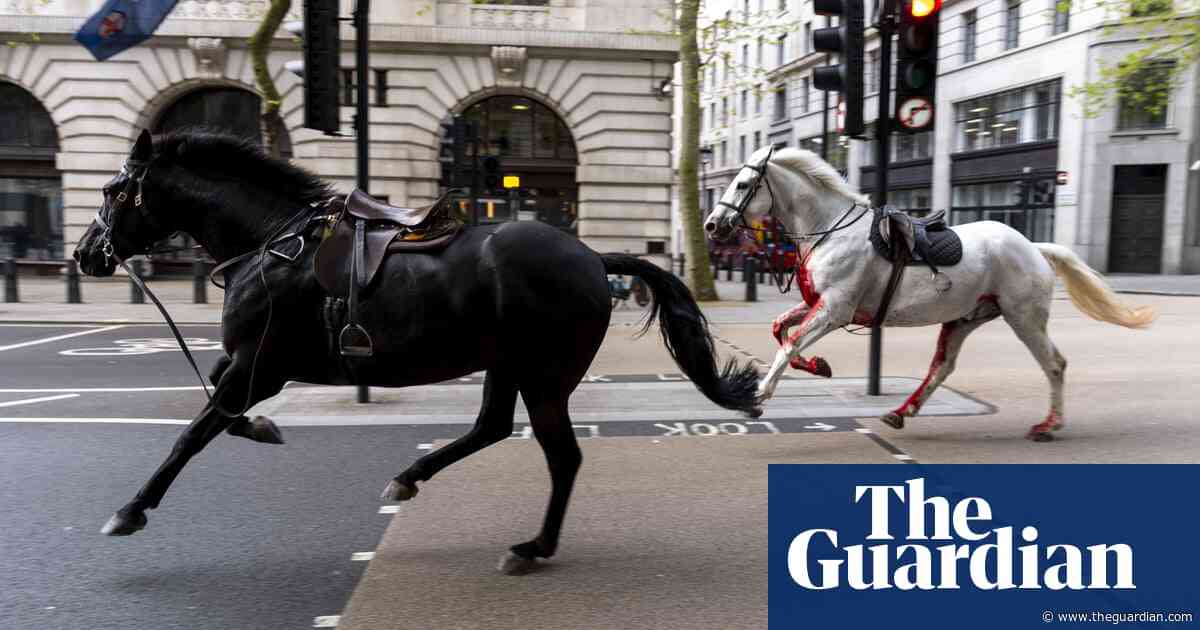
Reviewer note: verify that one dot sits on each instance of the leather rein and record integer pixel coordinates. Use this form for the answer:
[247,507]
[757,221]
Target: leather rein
[135,172]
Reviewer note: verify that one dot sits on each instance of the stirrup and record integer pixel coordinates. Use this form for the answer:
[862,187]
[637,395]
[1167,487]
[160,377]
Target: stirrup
[359,343]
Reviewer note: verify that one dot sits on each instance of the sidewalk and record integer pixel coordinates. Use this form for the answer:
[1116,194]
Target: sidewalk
[43,299]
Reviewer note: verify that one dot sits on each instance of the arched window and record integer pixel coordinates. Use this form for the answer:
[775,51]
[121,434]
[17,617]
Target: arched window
[31,214]
[231,110]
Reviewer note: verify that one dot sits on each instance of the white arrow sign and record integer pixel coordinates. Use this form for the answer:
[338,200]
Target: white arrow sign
[820,426]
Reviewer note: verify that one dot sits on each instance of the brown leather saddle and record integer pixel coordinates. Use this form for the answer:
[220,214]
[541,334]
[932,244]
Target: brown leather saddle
[363,234]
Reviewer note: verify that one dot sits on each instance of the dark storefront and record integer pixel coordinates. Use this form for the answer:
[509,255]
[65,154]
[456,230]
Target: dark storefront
[1006,162]
[31,215]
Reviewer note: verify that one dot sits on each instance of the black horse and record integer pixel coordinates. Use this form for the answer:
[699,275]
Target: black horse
[524,302]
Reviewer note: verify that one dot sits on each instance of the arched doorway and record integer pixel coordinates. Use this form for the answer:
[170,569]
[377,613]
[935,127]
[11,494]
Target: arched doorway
[31,208]
[229,110]
[526,163]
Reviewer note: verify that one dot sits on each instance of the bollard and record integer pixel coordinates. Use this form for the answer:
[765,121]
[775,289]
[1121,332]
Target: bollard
[749,268]
[364,394]
[10,281]
[762,271]
[199,282]
[135,292]
[682,265]
[716,268]
[729,268]
[74,295]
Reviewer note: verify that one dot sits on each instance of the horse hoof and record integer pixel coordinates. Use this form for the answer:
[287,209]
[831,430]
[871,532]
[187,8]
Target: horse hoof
[397,491]
[893,419]
[821,367]
[754,412]
[1039,436]
[123,524]
[262,429]
[513,564]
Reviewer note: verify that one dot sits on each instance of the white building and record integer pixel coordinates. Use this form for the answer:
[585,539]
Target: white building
[567,92]
[1117,188]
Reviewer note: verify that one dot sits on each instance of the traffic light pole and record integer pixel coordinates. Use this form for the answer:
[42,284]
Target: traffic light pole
[883,135]
[362,122]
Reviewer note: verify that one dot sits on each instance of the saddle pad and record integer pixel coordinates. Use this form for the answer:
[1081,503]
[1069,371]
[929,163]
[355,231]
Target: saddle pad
[945,247]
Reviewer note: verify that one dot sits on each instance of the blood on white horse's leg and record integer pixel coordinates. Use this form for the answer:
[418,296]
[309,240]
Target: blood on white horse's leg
[821,319]
[949,344]
[779,330]
[1030,327]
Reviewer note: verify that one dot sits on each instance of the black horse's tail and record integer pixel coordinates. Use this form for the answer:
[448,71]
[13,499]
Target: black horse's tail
[685,333]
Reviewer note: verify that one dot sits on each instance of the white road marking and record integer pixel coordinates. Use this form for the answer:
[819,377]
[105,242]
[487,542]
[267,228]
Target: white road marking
[95,420]
[30,401]
[362,556]
[864,430]
[902,457]
[326,621]
[99,390]
[35,342]
[389,509]
[424,447]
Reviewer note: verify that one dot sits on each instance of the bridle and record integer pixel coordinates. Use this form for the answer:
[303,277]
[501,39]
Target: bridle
[136,172]
[760,179]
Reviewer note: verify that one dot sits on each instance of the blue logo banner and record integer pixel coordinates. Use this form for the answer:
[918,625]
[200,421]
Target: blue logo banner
[122,24]
[983,546]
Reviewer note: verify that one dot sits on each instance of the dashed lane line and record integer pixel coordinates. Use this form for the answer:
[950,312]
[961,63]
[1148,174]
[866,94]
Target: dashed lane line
[25,344]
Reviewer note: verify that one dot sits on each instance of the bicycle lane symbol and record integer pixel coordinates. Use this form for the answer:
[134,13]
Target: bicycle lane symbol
[144,345]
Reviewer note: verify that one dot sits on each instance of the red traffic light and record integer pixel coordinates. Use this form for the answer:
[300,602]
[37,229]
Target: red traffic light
[924,8]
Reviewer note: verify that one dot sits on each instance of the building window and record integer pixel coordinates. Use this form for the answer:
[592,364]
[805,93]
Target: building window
[807,42]
[904,147]
[1025,205]
[871,78]
[724,153]
[381,88]
[783,5]
[725,111]
[745,112]
[349,90]
[780,103]
[781,45]
[970,34]
[1062,16]
[758,99]
[759,44]
[757,140]
[915,201]
[1012,24]
[742,149]
[745,56]
[1028,114]
[838,149]
[712,114]
[31,205]
[804,95]
[746,10]
[1143,100]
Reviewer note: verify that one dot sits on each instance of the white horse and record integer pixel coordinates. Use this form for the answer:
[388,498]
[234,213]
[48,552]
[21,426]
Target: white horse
[842,279]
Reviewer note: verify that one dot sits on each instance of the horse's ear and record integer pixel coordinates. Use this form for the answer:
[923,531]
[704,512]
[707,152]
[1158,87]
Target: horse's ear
[143,149]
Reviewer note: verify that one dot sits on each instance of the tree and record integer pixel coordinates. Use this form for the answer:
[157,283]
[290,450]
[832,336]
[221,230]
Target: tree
[260,47]
[697,53]
[1143,79]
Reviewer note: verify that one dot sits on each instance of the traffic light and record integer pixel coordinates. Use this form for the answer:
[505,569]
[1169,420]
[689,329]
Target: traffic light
[846,41]
[493,173]
[916,64]
[320,66]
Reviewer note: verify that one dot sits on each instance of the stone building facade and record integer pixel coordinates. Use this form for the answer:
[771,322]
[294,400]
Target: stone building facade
[577,83]
[1010,144]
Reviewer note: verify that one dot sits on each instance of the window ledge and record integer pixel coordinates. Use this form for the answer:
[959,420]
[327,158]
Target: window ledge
[1126,133]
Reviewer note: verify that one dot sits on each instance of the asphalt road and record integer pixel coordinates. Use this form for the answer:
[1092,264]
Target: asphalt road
[251,536]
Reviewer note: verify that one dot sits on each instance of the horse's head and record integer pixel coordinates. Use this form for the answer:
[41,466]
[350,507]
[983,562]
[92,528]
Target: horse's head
[124,224]
[741,202]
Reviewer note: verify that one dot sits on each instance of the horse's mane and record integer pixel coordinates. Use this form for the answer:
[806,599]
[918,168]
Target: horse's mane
[241,157]
[818,170]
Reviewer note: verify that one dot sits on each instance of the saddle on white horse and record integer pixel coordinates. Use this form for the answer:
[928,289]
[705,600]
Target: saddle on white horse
[929,240]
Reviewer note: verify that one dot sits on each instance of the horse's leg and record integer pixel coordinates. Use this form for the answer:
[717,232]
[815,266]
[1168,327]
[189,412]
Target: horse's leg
[494,423]
[779,330]
[830,312]
[552,427]
[232,391]
[261,428]
[1030,326]
[949,343]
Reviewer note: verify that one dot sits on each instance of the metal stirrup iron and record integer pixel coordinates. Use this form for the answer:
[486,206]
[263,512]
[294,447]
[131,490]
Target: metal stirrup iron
[354,341]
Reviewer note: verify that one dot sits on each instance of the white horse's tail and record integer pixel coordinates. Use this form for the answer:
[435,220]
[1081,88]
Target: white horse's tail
[1090,293]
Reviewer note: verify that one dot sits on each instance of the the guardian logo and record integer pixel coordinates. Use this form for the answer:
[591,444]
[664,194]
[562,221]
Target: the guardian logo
[973,554]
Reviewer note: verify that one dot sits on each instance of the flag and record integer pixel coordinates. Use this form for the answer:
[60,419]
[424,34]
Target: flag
[122,24]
